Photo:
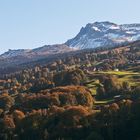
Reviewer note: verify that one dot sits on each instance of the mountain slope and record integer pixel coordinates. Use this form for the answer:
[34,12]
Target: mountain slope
[16,57]
[100,34]
[41,51]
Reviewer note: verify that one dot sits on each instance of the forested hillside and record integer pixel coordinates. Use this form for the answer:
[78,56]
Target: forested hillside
[92,94]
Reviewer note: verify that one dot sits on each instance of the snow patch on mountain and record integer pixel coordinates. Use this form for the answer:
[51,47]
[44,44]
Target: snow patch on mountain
[96,28]
[114,27]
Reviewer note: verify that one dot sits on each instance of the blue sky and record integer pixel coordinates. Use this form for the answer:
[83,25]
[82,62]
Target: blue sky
[33,23]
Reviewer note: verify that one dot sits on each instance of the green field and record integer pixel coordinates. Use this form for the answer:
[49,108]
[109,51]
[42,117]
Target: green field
[133,78]
[102,102]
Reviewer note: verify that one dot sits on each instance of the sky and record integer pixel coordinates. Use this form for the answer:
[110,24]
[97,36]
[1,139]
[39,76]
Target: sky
[27,24]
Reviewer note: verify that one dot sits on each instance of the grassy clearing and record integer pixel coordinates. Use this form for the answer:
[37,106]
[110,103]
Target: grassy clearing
[93,86]
[119,73]
[132,77]
[103,102]
[93,91]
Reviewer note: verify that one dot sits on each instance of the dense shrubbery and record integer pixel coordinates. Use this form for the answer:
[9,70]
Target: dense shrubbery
[72,77]
[61,96]
[116,121]
[67,113]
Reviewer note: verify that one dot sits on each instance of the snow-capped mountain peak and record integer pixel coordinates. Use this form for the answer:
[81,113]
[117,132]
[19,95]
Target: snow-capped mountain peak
[104,34]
